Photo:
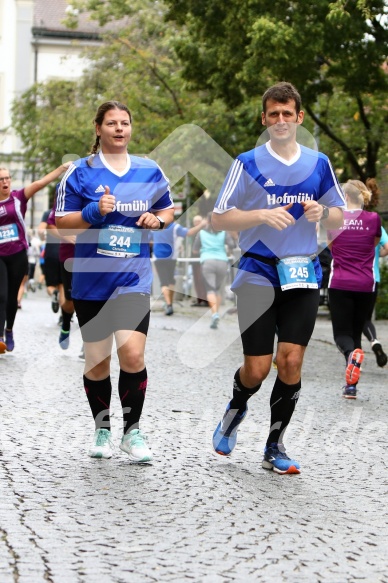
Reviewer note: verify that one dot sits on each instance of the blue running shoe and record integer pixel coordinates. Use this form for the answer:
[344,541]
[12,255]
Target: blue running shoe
[9,340]
[225,435]
[349,392]
[278,461]
[64,339]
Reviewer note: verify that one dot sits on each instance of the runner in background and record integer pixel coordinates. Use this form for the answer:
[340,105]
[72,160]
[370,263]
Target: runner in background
[352,282]
[13,247]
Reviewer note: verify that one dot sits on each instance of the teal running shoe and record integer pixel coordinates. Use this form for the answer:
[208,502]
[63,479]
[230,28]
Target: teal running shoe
[102,444]
[134,444]
[277,460]
[225,435]
[215,321]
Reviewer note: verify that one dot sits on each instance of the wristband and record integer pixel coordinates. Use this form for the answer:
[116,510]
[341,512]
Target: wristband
[91,214]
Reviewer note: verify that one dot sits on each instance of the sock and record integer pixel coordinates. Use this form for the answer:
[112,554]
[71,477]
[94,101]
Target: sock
[132,390]
[66,320]
[241,394]
[283,401]
[99,394]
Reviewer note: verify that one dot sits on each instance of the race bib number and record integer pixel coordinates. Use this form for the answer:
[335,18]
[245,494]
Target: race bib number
[119,241]
[296,272]
[9,233]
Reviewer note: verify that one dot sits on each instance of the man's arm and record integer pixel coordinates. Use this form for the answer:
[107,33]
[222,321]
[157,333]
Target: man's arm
[237,220]
[313,211]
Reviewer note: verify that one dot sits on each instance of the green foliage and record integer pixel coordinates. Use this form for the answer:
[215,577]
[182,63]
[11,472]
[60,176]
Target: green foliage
[329,50]
[53,120]
[381,312]
[137,66]
[207,63]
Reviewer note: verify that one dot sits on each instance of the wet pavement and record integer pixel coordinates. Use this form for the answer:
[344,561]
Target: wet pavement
[191,515]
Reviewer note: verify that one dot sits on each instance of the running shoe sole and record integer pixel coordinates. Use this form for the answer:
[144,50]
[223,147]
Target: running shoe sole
[291,470]
[146,459]
[353,372]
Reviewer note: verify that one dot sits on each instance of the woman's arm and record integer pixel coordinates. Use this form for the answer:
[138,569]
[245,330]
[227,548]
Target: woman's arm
[34,187]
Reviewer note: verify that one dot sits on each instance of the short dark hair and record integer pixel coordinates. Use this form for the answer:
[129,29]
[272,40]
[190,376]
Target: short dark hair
[282,92]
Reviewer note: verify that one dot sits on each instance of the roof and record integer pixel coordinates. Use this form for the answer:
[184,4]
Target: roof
[50,14]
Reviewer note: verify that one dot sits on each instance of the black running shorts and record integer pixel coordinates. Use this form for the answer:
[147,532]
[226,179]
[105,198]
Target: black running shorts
[264,311]
[99,319]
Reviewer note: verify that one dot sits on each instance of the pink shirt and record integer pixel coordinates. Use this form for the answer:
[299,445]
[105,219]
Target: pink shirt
[13,233]
[353,251]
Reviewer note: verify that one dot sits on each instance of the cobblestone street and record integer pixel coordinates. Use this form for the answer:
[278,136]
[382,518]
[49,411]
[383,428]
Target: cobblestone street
[191,515]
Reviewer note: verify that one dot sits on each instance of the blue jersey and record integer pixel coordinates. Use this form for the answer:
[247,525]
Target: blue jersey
[260,179]
[165,241]
[113,257]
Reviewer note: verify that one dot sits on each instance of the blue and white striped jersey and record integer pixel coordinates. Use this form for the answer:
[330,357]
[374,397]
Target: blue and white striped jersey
[113,257]
[260,179]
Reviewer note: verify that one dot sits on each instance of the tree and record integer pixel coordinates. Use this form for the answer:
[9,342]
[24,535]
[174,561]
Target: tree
[334,52]
[49,118]
[136,65]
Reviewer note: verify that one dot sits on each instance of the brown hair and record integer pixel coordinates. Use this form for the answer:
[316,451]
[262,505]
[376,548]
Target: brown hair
[99,118]
[365,192]
[282,92]
[375,191]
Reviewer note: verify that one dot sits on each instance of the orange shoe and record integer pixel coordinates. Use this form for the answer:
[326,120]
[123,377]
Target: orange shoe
[3,346]
[353,371]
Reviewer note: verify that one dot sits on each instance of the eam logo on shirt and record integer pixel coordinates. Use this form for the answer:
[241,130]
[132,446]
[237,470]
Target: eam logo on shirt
[3,210]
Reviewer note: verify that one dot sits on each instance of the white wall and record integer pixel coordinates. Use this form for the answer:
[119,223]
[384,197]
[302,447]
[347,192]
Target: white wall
[22,62]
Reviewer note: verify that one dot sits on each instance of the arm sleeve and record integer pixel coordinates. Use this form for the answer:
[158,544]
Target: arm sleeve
[181,231]
[330,190]
[69,198]
[233,189]
[162,199]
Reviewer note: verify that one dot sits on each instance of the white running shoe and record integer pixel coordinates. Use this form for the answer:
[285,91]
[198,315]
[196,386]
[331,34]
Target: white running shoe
[134,444]
[102,444]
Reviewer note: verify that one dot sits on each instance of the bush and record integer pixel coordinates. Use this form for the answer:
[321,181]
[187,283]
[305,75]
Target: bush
[381,312]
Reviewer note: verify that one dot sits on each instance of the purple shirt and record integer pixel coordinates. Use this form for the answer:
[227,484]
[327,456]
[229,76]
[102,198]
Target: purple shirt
[13,233]
[353,251]
[66,250]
